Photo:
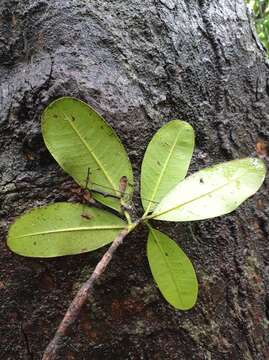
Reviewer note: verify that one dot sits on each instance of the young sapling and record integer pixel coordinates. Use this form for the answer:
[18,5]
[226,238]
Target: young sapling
[86,147]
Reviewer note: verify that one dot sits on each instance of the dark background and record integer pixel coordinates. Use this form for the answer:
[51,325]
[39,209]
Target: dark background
[140,64]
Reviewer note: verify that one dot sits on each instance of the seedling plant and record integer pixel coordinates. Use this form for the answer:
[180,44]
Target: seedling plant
[88,149]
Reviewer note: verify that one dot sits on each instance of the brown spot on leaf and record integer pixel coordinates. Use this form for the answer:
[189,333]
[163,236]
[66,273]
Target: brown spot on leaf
[123,184]
[86,216]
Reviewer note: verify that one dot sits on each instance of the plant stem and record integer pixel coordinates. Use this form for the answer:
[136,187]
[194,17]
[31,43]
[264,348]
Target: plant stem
[75,307]
[128,218]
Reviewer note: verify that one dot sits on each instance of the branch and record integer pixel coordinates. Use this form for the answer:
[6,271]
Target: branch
[75,307]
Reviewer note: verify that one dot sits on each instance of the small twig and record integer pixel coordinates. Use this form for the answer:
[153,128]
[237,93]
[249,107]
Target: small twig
[75,307]
[104,193]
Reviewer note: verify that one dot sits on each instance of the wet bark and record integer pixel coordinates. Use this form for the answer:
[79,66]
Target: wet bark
[140,64]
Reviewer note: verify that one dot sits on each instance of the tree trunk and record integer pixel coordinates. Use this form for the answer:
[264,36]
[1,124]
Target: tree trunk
[141,64]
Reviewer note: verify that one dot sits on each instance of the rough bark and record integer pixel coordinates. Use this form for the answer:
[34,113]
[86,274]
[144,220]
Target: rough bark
[140,64]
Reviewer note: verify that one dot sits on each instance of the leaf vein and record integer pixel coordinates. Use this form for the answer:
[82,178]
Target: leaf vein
[168,266]
[87,228]
[194,199]
[162,173]
[98,162]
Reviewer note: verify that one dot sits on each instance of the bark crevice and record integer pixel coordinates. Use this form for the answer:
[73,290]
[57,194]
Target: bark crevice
[140,65]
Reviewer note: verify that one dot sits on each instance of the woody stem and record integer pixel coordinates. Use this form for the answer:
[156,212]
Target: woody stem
[76,305]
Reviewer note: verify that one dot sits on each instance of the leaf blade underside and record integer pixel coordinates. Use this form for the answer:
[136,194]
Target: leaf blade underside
[212,192]
[62,229]
[165,162]
[172,270]
[80,139]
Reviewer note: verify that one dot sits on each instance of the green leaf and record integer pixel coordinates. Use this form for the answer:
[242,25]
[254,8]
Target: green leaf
[79,138]
[166,161]
[212,192]
[172,270]
[62,229]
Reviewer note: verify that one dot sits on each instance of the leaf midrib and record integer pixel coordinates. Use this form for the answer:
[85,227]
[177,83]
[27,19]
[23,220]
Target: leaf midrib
[91,152]
[86,228]
[169,267]
[194,199]
[162,173]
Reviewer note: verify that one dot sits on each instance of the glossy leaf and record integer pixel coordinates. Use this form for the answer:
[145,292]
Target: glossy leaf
[62,229]
[212,192]
[166,161]
[79,138]
[172,271]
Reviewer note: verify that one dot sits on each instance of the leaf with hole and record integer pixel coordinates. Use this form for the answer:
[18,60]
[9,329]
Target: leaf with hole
[172,270]
[166,161]
[62,229]
[212,192]
[79,139]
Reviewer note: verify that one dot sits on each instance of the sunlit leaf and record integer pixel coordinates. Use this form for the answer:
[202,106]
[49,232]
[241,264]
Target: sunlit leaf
[79,138]
[62,229]
[212,192]
[172,271]
[166,161]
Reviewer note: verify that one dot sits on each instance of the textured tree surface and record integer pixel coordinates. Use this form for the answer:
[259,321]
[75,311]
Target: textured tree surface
[140,64]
